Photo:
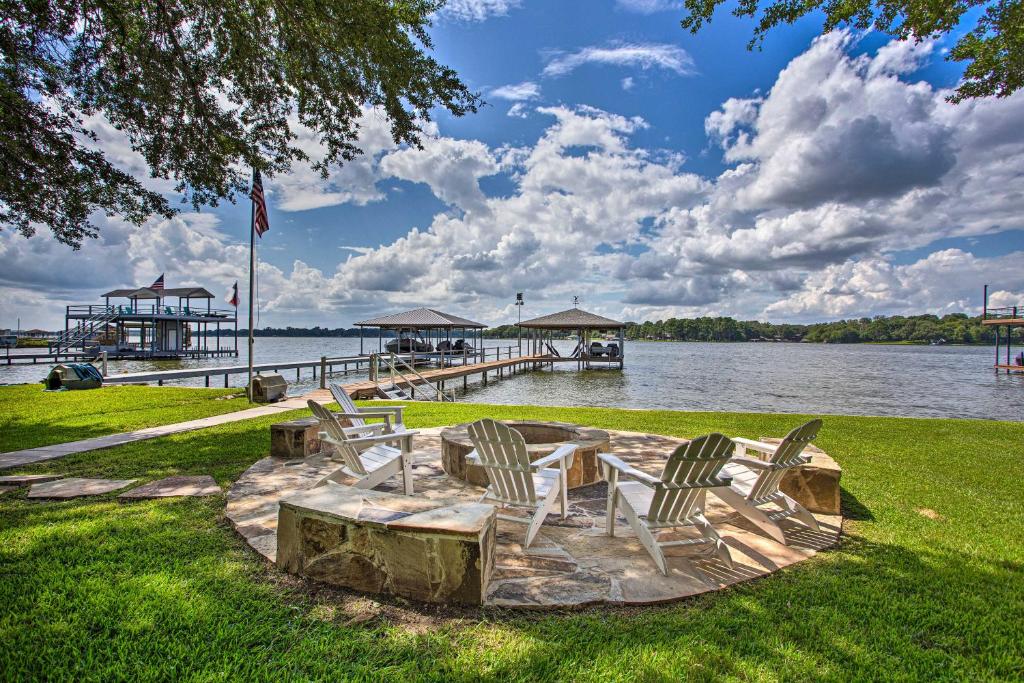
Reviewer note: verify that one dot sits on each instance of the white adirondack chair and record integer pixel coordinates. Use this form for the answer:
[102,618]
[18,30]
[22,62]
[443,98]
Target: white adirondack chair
[515,481]
[392,415]
[676,499]
[369,459]
[755,481]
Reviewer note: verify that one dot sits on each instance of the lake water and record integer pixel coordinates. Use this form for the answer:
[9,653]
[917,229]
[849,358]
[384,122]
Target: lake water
[924,381]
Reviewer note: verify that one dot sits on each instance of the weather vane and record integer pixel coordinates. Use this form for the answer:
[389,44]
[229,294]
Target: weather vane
[575,302]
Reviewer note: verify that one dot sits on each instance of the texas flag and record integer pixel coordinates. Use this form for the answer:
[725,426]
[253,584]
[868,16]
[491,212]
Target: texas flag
[232,295]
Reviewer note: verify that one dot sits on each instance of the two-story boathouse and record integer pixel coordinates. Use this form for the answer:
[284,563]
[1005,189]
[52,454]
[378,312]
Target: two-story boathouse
[144,322]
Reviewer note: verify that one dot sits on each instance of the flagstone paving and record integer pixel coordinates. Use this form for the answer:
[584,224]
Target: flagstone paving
[17,480]
[74,487]
[44,453]
[171,487]
[8,489]
[572,561]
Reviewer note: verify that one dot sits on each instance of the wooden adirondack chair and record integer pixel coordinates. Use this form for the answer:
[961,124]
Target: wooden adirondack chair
[369,459]
[516,481]
[755,481]
[392,415]
[651,504]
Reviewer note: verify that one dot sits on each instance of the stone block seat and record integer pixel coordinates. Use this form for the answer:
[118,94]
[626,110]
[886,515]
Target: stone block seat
[440,545]
[429,550]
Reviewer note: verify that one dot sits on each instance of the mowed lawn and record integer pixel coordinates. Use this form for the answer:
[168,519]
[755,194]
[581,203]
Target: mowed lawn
[926,584]
[31,417]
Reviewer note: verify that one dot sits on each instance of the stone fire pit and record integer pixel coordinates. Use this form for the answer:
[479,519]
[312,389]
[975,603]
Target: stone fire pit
[542,438]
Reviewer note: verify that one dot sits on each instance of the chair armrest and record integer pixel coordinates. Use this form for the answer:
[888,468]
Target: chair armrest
[752,463]
[472,458]
[627,469]
[370,440]
[395,410]
[561,453]
[362,416]
[372,427]
[759,446]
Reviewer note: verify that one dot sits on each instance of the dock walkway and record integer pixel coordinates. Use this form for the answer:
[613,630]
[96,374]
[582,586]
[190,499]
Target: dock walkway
[368,389]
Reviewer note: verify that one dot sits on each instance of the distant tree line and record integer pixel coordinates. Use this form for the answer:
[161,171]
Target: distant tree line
[954,328]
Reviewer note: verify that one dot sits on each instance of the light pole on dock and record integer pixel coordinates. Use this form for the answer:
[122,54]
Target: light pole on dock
[519,328]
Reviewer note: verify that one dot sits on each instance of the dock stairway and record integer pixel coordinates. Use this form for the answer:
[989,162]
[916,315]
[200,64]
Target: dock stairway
[83,330]
[399,370]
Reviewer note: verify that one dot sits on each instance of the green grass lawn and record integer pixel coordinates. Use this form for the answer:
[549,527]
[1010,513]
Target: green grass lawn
[166,590]
[31,417]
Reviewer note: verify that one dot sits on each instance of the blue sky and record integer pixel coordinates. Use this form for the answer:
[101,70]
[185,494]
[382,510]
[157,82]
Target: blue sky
[621,159]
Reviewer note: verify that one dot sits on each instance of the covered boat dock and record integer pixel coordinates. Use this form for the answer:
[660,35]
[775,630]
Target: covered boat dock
[590,331]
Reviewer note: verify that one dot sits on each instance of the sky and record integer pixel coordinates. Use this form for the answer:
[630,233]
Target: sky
[619,159]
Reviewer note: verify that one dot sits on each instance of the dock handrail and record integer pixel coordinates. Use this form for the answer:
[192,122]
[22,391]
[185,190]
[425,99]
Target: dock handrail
[1010,312]
[85,328]
[392,361]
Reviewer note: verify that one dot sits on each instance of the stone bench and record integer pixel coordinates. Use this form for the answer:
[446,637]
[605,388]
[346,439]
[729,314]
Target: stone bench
[295,439]
[814,485]
[438,551]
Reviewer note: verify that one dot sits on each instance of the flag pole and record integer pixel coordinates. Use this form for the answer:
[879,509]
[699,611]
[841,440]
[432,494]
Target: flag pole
[252,270]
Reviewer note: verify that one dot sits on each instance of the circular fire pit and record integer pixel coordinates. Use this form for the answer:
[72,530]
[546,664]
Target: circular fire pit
[542,438]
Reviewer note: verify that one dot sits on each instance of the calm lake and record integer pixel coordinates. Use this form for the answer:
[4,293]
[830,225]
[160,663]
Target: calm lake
[922,381]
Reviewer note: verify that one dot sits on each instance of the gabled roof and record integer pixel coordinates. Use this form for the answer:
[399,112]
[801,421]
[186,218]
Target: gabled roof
[420,318]
[189,292]
[572,319]
[139,293]
[147,293]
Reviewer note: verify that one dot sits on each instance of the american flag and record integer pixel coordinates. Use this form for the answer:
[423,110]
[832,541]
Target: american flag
[260,221]
[158,284]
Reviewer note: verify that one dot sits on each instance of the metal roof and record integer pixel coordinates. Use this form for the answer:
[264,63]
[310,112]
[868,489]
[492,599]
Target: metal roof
[420,318]
[147,293]
[573,318]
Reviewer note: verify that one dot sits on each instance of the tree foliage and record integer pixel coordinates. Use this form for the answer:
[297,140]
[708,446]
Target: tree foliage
[993,50]
[203,90]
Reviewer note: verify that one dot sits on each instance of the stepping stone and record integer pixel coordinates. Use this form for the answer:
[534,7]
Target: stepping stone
[76,486]
[23,479]
[8,489]
[170,487]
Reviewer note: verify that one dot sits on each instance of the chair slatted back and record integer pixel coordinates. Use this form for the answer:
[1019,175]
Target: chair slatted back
[690,470]
[788,454]
[503,455]
[330,424]
[344,401]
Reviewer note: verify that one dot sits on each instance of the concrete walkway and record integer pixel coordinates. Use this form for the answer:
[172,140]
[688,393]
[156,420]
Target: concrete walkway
[33,455]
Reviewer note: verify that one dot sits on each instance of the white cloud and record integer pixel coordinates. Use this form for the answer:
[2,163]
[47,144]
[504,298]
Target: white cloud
[644,55]
[477,10]
[649,6]
[527,90]
[841,164]
[947,281]
[518,111]
[627,83]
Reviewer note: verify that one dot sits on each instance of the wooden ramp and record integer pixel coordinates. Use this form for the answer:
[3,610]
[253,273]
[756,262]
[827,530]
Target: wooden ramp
[367,389]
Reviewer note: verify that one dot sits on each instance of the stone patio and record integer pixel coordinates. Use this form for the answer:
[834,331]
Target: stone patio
[572,562]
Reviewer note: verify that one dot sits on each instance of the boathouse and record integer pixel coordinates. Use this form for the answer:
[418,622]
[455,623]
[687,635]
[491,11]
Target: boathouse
[600,341]
[1005,320]
[143,322]
[424,330]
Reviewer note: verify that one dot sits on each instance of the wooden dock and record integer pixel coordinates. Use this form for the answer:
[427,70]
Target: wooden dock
[331,365]
[439,376]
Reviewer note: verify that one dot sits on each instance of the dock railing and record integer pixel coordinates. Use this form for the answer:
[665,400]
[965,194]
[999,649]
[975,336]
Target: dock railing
[397,368]
[1002,313]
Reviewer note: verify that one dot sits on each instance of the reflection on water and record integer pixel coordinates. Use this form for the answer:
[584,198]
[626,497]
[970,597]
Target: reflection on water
[926,381]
